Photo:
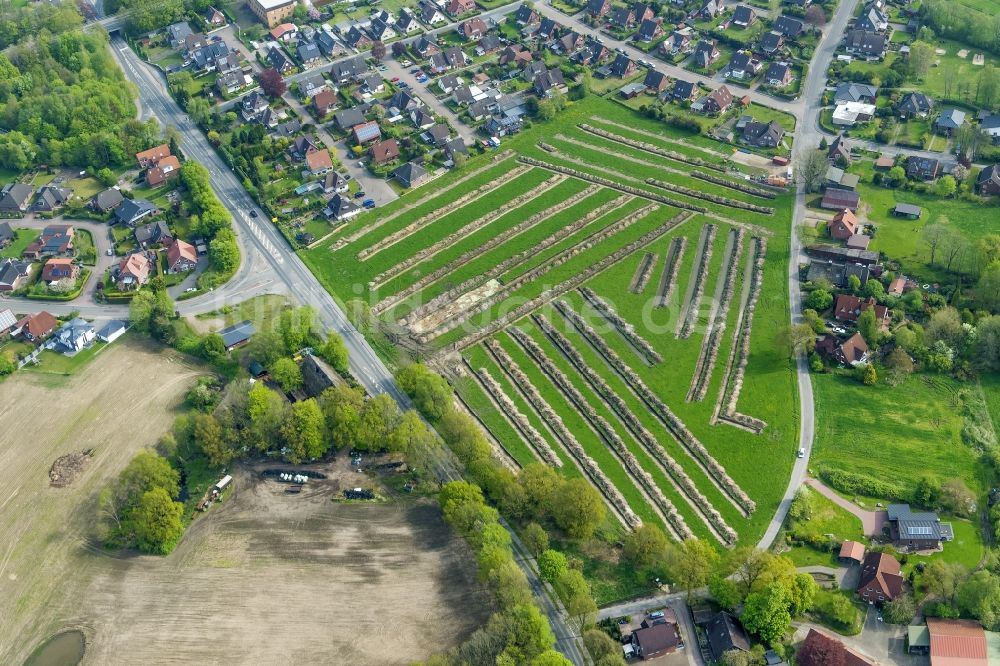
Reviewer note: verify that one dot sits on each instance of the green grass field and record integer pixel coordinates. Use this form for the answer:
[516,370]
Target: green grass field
[900,433]
[900,238]
[22,239]
[462,265]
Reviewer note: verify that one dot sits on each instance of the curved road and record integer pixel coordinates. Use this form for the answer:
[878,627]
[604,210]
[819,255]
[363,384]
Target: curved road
[807,138]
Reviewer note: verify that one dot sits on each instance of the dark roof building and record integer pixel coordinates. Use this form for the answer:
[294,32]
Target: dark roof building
[881,579]
[725,633]
[788,26]
[988,181]
[237,334]
[915,104]
[14,198]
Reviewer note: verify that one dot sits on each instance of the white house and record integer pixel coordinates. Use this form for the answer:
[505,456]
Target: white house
[849,113]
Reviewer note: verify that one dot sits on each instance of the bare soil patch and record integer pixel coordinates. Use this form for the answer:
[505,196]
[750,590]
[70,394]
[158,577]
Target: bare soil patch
[262,577]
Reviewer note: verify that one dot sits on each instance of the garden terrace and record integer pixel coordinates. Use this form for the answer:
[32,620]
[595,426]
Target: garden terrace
[434,196]
[506,406]
[465,231]
[739,356]
[696,287]
[681,482]
[717,318]
[556,226]
[673,424]
[643,273]
[627,331]
[554,422]
[661,506]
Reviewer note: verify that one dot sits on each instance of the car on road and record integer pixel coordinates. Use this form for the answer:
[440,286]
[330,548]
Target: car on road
[359,194]
[416,71]
[190,289]
[361,164]
[395,79]
[405,62]
[110,252]
[802,453]
[368,203]
[403,84]
[253,213]
[421,79]
[600,40]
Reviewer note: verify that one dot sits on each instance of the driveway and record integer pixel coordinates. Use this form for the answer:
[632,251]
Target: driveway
[885,642]
[872,521]
[577,24]
[394,69]
[375,188]
[99,231]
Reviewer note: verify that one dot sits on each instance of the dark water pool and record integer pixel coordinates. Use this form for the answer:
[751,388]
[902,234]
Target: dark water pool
[63,649]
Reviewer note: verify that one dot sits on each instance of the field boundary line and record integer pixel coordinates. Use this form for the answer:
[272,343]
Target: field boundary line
[467,229]
[601,428]
[625,329]
[571,283]
[715,472]
[425,221]
[500,452]
[518,421]
[717,317]
[696,288]
[694,161]
[609,232]
[642,273]
[668,280]
[732,385]
[588,466]
[513,262]
[674,472]
[393,300]
[364,231]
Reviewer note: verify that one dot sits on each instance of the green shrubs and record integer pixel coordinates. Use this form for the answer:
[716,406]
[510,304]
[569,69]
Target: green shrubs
[855,483]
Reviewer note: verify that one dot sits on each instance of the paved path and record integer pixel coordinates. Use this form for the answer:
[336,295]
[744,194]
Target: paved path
[807,138]
[373,187]
[394,69]
[872,521]
[576,23]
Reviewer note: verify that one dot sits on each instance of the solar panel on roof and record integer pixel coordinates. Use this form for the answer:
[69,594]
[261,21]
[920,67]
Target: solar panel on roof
[921,530]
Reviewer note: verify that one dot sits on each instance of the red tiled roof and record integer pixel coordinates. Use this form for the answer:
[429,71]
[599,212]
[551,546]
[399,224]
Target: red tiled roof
[820,643]
[880,576]
[853,550]
[153,155]
[39,324]
[319,159]
[957,643]
[178,250]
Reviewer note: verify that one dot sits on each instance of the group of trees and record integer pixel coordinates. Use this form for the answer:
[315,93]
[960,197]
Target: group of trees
[212,221]
[950,590]
[139,510]
[36,19]
[66,102]
[517,633]
[537,492]
[953,20]
[257,420]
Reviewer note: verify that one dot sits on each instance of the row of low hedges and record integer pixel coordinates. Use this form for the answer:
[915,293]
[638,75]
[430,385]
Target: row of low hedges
[68,296]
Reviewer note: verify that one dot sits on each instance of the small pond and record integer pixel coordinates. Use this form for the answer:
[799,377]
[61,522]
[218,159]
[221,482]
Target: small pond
[63,649]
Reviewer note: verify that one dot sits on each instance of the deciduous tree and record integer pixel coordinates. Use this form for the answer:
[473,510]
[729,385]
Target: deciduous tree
[272,83]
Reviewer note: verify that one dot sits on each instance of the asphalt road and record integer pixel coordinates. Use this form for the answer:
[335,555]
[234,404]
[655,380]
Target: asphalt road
[807,137]
[673,71]
[269,263]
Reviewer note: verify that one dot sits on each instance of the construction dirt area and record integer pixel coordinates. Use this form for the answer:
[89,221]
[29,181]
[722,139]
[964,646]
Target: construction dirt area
[265,577]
